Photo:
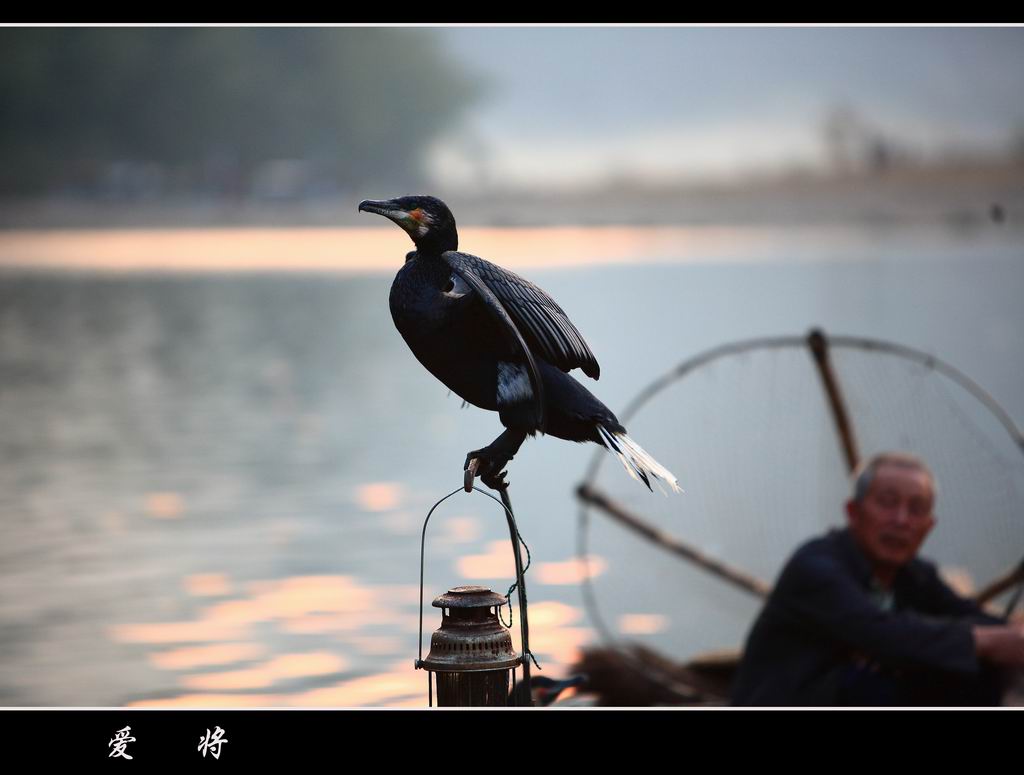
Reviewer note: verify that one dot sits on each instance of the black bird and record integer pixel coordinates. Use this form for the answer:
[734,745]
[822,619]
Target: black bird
[499,342]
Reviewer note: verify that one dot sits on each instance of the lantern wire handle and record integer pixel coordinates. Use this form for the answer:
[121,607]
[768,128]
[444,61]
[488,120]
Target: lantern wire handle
[520,582]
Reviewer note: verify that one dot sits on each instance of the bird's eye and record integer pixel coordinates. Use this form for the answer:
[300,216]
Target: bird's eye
[417,214]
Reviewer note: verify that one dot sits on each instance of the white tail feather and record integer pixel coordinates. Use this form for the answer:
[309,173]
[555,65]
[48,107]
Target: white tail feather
[637,462]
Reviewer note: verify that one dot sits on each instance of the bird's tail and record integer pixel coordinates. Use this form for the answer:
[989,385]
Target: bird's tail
[638,463]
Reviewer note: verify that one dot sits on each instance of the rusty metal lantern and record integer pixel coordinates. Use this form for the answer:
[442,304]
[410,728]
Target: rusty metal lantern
[471,655]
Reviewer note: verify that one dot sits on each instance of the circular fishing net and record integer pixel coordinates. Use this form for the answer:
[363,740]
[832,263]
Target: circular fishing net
[750,433]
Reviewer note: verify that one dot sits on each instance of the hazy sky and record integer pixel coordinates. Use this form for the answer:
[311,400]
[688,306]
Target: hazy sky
[565,104]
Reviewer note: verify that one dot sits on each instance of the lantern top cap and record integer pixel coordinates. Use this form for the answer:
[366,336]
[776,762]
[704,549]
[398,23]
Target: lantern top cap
[469,597]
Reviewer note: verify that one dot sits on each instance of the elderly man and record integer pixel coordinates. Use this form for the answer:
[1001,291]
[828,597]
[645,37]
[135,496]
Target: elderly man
[856,618]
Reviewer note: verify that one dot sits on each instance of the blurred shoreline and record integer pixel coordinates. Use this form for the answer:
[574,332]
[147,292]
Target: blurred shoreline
[960,196]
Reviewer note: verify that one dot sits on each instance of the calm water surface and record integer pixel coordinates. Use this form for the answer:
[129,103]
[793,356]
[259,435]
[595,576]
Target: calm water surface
[212,484]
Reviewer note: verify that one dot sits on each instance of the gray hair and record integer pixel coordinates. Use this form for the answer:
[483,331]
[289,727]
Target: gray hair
[865,472]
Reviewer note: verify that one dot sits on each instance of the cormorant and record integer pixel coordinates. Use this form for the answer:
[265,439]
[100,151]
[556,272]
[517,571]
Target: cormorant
[499,342]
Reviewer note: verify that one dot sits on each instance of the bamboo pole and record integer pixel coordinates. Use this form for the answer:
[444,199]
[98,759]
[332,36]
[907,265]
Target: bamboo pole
[819,349]
[1000,585]
[716,567]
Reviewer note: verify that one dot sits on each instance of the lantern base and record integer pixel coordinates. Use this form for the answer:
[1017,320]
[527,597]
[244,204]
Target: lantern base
[478,689]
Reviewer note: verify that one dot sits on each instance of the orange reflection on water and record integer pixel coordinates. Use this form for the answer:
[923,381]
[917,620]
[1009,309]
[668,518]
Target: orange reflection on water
[213,701]
[401,689]
[303,605]
[261,676]
[377,645]
[552,633]
[164,505]
[379,496]
[178,632]
[200,656]
[562,645]
[207,585]
[400,686]
[298,605]
[572,571]
[319,624]
[293,597]
[551,613]
[556,638]
[496,563]
[198,250]
[642,624]
[376,249]
[291,601]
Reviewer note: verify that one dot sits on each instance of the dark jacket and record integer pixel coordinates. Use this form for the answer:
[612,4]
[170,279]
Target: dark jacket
[822,619]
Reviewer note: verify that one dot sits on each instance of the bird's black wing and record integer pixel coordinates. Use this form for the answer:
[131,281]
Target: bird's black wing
[543,324]
[508,328]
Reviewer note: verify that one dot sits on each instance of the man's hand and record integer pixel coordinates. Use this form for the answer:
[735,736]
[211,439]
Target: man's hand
[1000,644]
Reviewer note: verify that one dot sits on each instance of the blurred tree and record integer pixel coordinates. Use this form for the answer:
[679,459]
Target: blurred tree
[212,105]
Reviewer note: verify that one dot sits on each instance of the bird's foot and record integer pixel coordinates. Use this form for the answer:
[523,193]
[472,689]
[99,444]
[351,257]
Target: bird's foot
[487,463]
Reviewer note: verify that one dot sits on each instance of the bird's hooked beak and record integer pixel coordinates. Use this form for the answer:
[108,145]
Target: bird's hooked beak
[410,221]
[384,207]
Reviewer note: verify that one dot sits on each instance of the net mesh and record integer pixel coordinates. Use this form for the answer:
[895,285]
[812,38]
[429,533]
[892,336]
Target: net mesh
[751,437]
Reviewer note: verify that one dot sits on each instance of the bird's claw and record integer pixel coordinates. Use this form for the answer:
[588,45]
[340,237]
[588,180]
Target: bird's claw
[495,481]
[488,466]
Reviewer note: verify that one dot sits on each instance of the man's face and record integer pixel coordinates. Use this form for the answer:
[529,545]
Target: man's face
[895,516]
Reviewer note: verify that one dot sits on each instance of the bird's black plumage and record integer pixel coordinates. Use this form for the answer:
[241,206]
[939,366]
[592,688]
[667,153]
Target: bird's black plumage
[545,326]
[499,342]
